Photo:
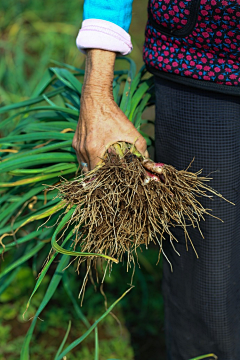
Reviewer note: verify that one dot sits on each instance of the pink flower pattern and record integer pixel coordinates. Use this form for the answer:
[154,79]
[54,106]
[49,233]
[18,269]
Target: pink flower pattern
[211,51]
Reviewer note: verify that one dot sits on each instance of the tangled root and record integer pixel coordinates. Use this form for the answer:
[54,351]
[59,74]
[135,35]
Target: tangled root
[125,204]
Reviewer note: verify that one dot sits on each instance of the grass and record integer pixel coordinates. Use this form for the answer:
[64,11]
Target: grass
[38,150]
[55,320]
[32,34]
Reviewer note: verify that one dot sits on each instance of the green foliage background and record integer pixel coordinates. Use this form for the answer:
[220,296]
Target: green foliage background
[33,33]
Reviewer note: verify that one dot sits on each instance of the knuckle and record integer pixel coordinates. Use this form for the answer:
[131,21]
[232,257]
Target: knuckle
[90,145]
[74,145]
[78,147]
[82,149]
[75,142]
[90,149]
[143,143]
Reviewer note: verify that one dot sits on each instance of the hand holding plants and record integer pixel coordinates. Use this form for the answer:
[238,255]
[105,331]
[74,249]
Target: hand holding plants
[101,122]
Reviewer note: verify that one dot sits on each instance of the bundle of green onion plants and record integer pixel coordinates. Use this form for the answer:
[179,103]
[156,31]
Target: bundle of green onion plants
[124,203]
[38,152]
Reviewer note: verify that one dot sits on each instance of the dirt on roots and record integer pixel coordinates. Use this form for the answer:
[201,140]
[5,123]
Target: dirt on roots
[119,208]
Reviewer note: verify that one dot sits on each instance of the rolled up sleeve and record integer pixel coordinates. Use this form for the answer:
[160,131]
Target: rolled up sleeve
[105,26]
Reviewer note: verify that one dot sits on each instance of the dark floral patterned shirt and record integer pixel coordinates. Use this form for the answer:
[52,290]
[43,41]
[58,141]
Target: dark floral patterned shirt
[199,39]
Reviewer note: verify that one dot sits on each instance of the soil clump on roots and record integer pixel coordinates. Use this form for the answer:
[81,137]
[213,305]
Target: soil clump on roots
[128,202]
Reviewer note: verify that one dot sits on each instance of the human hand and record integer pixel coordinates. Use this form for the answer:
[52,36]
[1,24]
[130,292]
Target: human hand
[101,122]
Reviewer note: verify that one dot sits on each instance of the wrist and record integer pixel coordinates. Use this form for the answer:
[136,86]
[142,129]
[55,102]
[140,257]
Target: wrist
[99,71]
[94,90]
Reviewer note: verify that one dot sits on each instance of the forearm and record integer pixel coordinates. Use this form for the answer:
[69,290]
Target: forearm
[101,122]
[99,72]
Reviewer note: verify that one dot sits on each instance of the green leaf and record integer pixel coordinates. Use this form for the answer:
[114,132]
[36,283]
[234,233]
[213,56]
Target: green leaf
[22,259]
[50,102]
[24,239]
[35,179]
[96,357]
[45,81]
[43,170]
[138,95]
[37,136]
[64,340]
[45,127]
[6,197]
[68,79]
[126,97]
[57,277]
[26,103]
[63,110]
[8,279]
[33,160]
[137,114]
[70,67]
[137,79]
[44,271]
[11,209]
[205,357]
[45,211]
[80,339]
[75,304]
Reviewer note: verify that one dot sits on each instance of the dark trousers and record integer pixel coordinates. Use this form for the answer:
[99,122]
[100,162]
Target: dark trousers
[202,296]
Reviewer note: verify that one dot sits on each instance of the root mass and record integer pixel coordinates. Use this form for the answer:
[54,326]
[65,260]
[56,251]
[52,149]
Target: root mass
[119,208]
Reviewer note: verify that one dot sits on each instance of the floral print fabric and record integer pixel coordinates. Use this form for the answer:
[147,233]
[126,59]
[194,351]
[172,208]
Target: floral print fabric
[210,51]
[171,14]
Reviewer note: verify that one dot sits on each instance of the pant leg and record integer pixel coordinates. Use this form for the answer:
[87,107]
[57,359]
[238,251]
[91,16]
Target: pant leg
[202,296]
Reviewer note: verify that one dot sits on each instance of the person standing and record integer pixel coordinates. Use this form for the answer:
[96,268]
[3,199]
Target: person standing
[192,47]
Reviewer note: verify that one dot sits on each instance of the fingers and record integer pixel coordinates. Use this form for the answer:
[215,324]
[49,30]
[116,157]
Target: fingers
[83,165]
[93,137]
[96,155]
[150,165]
[153,171]
[79,145]
[141,145]
[146,154]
